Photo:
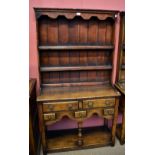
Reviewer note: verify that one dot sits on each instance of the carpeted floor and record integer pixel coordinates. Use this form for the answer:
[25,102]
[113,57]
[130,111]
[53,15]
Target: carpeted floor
[107,150]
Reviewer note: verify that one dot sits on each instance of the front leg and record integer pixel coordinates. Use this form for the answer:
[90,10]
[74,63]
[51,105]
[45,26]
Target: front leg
[115,121]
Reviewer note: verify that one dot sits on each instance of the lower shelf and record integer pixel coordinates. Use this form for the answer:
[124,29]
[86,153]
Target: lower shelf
[67,140]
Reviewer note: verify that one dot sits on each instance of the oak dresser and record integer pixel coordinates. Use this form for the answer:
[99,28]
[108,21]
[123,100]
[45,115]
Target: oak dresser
[75,49]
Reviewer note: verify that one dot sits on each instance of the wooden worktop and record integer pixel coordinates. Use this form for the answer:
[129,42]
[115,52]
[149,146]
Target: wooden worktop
[78,92]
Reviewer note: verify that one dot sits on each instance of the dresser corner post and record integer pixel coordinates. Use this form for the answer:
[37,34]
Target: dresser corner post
[80,138]
[42,128]
[115,121]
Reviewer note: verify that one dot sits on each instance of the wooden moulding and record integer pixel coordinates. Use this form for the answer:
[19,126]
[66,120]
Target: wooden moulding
[72,13]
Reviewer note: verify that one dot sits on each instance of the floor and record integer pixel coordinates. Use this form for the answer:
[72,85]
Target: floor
[108,150]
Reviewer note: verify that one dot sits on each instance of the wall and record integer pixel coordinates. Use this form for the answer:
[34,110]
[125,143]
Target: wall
[81,4]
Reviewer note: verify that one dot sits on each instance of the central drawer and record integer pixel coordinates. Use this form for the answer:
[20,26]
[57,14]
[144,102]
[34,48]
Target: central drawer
[60,106]
[98,103]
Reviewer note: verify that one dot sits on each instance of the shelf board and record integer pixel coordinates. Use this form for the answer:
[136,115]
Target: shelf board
[74,84]
[72,68]
[78,47]
[64,141]
[50,93]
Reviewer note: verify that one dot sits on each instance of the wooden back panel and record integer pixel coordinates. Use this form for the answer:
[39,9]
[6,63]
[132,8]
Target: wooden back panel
[62,28]
[77,31]
[75,76]
[75,58]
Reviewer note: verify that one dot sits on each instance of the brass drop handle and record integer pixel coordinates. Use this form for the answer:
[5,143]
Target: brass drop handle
[108,111]
[109,103]
[111,112]
[80,114]
[70,106]
[90,104]
[50,107]
[49,117]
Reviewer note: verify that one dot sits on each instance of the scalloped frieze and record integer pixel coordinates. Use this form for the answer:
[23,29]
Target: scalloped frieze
[71,15]
[71,115]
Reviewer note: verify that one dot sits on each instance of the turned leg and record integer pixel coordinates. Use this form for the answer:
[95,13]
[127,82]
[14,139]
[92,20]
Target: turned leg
[115,121]
[105,122]
[80,139]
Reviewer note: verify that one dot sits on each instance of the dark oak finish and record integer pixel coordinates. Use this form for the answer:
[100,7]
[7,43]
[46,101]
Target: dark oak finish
[76,63]
[120,81]
[34,138]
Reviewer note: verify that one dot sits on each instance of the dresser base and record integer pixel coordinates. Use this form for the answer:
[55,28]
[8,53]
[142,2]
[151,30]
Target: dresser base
[79,104]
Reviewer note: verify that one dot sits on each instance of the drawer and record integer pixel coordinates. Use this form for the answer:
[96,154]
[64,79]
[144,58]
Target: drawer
[60,106]
[98,103]
[108,111]
[80,114]
[49,117]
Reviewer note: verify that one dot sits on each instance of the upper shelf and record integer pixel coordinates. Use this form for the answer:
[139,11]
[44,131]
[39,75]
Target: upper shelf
[83,47]
[72,68]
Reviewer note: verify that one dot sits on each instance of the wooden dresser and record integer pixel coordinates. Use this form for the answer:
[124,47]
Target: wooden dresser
[120,80]
[34,138]
[75,50]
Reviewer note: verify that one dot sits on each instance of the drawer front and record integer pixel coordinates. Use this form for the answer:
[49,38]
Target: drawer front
[80,114]
[98,103]
[49,117]
[109,111]
[60,106]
